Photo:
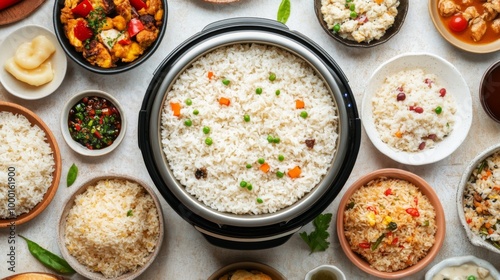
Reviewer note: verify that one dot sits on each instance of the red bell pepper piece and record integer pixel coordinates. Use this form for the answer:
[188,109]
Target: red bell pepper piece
[413,211]
[7,3]
[82,9]
[134,27]
[82,31]
[77,127]
[125,42]
[138,4]
[388,192]
[97,134]
[364,245]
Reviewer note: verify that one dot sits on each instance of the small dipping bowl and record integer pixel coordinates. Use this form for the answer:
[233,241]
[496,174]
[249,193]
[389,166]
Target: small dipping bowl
[489,91]
[325,272]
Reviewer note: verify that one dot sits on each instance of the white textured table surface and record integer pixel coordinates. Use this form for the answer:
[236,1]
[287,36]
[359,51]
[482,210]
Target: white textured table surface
[185,253]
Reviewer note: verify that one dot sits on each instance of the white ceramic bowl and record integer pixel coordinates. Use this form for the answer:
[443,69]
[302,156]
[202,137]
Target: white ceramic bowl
[457,261]
[58,61]
[77,147]
[326,268]
[449,77]
[474,238]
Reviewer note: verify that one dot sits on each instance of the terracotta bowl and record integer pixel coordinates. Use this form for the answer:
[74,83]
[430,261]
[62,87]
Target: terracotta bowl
[390,32]
[51,191]
[273,273]
[446,34]
[34,276]
[82,269]
[426,189]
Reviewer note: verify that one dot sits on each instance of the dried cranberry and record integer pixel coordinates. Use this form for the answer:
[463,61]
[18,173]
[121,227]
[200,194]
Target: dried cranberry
[401,96]
[421,146]
[310,143]
[419,110]
[442,92]
[432,137]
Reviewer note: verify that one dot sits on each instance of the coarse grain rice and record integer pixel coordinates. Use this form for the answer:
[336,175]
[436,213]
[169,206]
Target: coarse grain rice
[482,200]
[237,143]
[367,220]
[400,124]
[113,227]
[25,152]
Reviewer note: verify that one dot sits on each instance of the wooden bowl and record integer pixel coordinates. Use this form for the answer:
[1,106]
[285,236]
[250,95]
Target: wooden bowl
[56,176]
[426,189]
[273,273]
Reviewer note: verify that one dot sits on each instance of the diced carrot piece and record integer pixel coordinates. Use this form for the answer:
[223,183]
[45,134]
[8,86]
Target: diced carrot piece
[379,1]
[398,134]
[176,107]
[224,101]
[487,175]
[490,231]
[294,172]
[299,104]
[487,225]
[265,167]
[210,74]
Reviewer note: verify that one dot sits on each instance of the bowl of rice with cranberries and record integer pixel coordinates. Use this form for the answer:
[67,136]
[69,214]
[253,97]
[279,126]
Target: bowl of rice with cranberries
[390,223]
[413,106]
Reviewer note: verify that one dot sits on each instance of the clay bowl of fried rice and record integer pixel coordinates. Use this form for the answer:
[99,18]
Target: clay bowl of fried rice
[31,164]
[360,23]
[391,223]
[478,200]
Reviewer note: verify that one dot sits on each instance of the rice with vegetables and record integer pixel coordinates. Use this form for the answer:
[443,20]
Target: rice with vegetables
[359,20]
[249,129]
[390,223]
[482,200]
[412,111]
[25,154]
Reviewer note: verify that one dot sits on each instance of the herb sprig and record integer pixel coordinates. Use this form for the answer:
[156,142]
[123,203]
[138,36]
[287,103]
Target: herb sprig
[317,238]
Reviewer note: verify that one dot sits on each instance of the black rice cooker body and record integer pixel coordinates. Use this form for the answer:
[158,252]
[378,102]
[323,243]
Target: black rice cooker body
[255,237]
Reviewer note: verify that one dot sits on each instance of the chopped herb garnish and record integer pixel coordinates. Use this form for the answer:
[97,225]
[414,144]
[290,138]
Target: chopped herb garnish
[130,213]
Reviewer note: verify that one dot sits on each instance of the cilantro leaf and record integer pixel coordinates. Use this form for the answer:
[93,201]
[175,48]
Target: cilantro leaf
[316,240]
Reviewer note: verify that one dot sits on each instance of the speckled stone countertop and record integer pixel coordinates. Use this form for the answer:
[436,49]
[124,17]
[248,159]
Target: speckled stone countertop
[185,253]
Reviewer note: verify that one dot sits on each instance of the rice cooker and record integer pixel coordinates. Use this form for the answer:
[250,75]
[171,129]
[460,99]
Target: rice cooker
[248,231]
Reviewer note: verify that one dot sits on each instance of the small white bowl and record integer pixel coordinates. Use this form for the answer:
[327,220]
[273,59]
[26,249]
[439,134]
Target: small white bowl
[449,77]
[473,238]
[338,274]
[457,261]
[77,147]
[58,61]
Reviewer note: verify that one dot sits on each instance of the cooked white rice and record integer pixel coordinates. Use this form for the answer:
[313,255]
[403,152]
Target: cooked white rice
[398,122]
[482,200]
[23,150]
[113,227]
[237,143]
[370,210]
[372,18]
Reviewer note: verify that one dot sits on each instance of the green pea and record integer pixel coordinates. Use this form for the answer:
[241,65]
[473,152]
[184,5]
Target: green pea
[246,118]
[303,114]
[249,187]
[276,140]
[281,157]
[248,166]
[188,122]
[258,90]
[208,141]
[354,14]
[438,110]
[225,82]
[352,7]
[243,184]
[261,160]
[278,92]
[272,77]
[206,129]
[196,112]
[270,138]
[280,174]
[259,200]
[189,102]
[336,28]
[471,277]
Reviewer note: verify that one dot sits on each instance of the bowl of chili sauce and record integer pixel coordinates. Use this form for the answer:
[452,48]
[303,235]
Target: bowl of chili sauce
[93,123]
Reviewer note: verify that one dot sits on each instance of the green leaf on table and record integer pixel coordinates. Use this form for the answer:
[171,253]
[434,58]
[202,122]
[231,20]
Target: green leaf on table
[316,240]
[284,11]
[72,173]
[48,258]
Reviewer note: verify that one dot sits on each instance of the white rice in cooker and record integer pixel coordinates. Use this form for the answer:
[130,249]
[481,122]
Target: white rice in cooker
[368,229]
[26,165]
[482,200]
[368,19]
[237,144]
[113,227]
[425,116]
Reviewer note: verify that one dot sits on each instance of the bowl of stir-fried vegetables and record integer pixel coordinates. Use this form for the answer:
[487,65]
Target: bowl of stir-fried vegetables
[109,37]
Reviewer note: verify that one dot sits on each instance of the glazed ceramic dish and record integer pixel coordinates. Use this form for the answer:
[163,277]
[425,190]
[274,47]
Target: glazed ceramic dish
[57,59]
[473,238]
[445,33]
[449,77]
[325,271]
[56,176]
[390,32]
[70,202]
[77,147]
[457,261]
[426,189]
[273,273]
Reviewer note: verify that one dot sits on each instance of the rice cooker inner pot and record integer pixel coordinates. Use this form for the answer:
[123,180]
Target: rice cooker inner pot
[222,34]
